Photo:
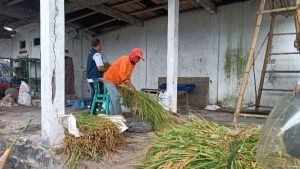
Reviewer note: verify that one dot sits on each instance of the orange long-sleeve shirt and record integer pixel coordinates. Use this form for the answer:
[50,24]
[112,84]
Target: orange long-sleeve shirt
[120,71]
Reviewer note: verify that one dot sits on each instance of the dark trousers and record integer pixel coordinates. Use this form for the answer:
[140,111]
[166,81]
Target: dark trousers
[93,93]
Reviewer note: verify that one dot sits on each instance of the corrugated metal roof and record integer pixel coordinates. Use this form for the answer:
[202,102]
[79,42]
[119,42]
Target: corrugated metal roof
[131,7]
[160,1]
[111,2]
[138,9]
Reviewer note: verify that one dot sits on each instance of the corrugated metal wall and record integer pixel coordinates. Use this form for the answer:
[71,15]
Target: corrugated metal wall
[213,46]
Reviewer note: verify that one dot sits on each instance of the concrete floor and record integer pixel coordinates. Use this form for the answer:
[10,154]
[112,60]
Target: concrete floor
[226,118]
[12,119]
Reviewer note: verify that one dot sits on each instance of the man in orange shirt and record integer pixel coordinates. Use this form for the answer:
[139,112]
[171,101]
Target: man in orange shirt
[120,73]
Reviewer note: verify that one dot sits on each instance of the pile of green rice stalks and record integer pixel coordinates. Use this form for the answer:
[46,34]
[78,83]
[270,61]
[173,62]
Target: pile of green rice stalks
[99,137]
[107,64]
[146,108]
[200,144]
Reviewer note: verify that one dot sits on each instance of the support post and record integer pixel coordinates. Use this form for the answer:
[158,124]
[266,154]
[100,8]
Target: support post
[249,62]
[266,60]
[52,70]
[298,12]
[297,24]
[172,54]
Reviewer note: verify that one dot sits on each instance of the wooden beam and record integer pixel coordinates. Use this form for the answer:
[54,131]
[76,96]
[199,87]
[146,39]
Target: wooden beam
[98,24]
[154,8]
[78,27]
[279,34]
[110,29]
[25,21]
[149,9]
[16,12]
[208,5]
[5,36]
[297,19]
[24,15]
[36,18]
[118,15]
[279,10]
[76,5]
[8,33]
[265,64]
[124,3]
[81,17]
[253,115]
[297,25]
[13,2]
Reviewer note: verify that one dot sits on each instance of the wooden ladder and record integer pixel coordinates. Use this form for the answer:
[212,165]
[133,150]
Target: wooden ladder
[274,12]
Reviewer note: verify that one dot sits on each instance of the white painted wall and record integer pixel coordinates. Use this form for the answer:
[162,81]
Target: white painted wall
[203,43]
[77,44]
[6,47]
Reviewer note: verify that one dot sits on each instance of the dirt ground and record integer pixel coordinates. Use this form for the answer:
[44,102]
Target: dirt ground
[130,155]
[13,119]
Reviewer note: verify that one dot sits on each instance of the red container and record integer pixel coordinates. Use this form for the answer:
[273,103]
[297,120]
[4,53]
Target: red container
[4,85]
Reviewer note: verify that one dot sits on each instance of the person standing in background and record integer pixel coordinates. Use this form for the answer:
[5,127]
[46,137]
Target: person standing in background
[95,66]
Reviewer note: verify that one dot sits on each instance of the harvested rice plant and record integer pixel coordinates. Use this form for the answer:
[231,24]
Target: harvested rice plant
[99,137]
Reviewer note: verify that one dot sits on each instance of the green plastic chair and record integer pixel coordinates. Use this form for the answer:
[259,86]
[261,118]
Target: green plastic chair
[100,97]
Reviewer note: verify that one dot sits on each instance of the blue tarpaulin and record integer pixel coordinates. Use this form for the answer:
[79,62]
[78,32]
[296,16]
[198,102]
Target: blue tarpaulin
[187,87]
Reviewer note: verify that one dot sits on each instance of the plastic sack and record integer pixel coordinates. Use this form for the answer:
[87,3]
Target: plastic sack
[69,122]
[279,142]
[163,99]
[24,97]
[212,107]
[24,87]
[78,104]
[118,120]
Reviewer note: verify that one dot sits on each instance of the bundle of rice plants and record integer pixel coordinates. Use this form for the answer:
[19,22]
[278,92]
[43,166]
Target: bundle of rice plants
[202,144]
[99,137]
[107,64]
[146,108]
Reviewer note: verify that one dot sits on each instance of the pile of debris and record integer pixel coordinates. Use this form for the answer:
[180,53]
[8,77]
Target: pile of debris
[22,96]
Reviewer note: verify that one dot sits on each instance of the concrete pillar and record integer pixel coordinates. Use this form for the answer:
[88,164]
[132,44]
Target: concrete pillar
[52,70]
[172,60]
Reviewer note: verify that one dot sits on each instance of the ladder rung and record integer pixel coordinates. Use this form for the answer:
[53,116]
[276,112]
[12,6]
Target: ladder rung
[278,90]
[278,10]
[266,106]
[278,34]
[253,115]
[283,71]
[288,53]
